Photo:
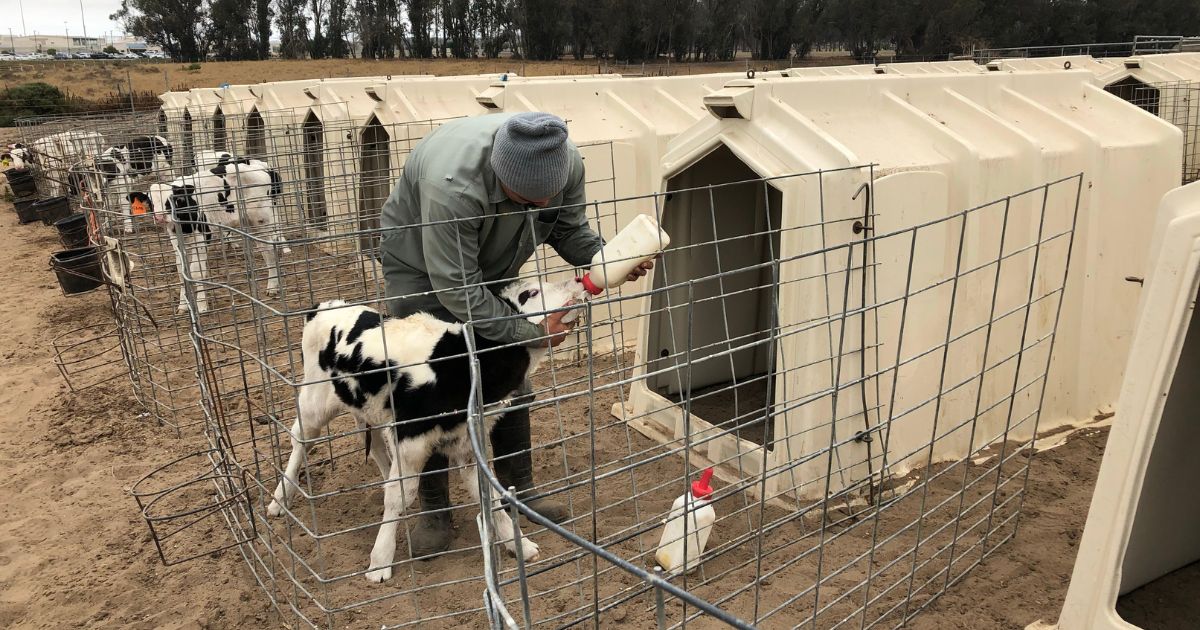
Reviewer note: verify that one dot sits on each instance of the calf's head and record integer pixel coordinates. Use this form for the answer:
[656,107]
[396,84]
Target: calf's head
[156,202]
[533,297]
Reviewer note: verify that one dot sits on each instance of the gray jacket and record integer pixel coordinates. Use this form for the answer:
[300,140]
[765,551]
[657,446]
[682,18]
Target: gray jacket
[457,238]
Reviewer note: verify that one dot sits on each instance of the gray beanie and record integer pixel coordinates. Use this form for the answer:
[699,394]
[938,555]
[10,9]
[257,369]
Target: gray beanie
[531,155]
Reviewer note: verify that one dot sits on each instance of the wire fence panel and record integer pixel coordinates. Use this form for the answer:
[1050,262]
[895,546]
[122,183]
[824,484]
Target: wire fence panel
[1141,45]
[320,189]
[859,382]
[904,342]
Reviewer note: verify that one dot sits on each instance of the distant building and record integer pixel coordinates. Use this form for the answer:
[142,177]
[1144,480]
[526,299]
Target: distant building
[73,43]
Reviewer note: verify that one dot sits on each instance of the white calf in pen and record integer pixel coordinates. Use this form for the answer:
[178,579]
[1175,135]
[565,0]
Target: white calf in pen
[57,153]
[407,381]
[190,204]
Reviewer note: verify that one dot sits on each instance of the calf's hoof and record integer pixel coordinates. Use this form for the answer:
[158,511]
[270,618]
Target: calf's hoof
[378,576]
[529,550]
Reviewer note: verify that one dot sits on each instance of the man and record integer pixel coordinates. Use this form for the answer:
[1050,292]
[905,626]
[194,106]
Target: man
[469,196]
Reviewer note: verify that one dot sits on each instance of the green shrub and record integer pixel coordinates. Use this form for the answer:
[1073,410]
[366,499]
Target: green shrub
[31,99]
[51,51]
[112,50]
[192,67]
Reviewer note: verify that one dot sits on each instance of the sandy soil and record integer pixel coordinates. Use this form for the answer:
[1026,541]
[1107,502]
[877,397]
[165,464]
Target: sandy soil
[1168,603]
[74,551]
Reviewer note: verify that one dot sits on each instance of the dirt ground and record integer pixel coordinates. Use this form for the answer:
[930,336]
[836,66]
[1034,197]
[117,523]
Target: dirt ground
[74,551]
[94,79]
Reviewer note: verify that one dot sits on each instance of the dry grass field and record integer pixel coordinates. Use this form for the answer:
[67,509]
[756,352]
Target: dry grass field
[97,79]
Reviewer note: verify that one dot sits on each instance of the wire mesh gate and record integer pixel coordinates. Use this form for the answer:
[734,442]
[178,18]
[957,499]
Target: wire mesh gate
[330,173]
[889,375]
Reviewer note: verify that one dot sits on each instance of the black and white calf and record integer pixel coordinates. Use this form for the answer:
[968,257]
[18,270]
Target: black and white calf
[241,193]
[117,169]
[206,160]
[142,155]
[16,156]
[407,381]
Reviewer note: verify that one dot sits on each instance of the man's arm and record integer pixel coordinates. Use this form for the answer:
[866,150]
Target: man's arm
[572,237]
[450,240]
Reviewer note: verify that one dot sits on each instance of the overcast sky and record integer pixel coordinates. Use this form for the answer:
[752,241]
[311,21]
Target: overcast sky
[48,16]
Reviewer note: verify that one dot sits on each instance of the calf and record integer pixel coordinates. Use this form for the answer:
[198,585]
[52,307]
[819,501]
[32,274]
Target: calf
[118,168]
[238,194]
[407,381]
[57,153]
[208,159]
[15,156]
[142,155]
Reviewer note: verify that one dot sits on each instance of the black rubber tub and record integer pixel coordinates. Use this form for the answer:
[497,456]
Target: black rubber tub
[78,270]
[52,209]
[20,180]
[72,231]
[25,210]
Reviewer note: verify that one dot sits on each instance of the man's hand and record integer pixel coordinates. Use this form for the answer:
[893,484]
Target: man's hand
[640,270]
[555,329]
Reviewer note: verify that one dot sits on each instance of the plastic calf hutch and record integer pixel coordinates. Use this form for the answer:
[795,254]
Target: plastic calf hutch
[1141,527]
[171,113]
[905,69]
[1166,85]
[938,143]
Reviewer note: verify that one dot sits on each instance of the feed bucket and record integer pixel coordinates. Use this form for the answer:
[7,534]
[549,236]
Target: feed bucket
[24,207]
[72,231]
[78,270]
[52,209]
[20,180]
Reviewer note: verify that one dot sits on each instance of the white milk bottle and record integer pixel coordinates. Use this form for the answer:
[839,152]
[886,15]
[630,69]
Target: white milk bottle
[700,517]
[638,242]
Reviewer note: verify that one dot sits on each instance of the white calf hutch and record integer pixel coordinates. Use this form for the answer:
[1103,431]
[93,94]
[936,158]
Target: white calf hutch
[940,144]
[1166,85]
[905,69]
[1142,526]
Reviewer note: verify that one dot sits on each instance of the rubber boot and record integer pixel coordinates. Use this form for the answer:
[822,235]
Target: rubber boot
[433,532]
[513,460]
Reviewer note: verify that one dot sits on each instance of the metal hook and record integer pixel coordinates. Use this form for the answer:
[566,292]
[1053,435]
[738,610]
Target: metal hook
[1067,65]
[865,186]
[861,226]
